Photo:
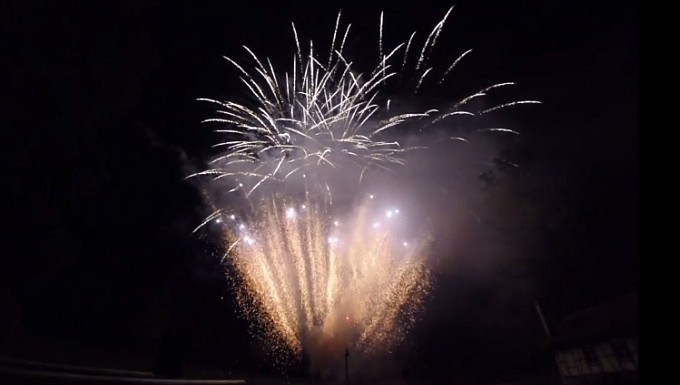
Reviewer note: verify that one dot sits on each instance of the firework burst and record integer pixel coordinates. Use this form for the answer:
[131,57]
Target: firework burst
[313,278]
[324,114]
[324,283]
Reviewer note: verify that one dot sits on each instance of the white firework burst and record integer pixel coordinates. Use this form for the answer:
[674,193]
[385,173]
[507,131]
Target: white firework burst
[323,113]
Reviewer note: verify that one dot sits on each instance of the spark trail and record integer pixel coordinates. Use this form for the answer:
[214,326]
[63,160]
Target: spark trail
[326,283]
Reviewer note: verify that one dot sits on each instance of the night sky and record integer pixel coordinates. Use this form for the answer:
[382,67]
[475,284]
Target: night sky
[101,124]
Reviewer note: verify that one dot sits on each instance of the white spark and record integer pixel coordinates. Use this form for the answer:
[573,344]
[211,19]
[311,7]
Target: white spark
[290,213]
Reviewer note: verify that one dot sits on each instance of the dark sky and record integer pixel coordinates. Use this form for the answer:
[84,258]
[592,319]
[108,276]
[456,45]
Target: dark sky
[101,124]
